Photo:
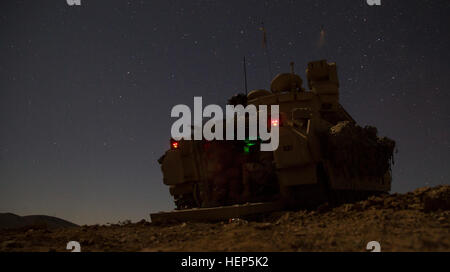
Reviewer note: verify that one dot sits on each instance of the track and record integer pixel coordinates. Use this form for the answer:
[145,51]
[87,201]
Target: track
[216,213]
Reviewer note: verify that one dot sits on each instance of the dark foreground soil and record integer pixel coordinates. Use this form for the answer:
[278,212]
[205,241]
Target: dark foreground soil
[416,221]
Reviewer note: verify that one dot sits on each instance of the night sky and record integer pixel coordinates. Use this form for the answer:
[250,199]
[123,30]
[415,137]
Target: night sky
[86,92]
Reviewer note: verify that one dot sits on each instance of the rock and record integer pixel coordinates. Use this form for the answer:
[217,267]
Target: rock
[238,221]
[421,191]
[388,201]
[263,226]
[86,241]
[415,206]
[283,218]
[349,207]
[365,204]
[12,244]
[437,199]
[395,204]
[358,207]
[375,200]
[29,233]
[323,208]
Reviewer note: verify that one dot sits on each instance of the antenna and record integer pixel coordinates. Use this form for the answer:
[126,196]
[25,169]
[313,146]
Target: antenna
[245,76]
[266,49]
[293,82]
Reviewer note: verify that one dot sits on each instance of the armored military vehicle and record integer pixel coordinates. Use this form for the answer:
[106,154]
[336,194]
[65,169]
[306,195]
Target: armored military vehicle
[323,156]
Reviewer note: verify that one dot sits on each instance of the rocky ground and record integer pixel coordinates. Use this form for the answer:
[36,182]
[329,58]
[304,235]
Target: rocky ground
[416,221]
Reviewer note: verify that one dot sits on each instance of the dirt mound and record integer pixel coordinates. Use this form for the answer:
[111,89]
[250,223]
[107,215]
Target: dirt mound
[424,199]
[415,221]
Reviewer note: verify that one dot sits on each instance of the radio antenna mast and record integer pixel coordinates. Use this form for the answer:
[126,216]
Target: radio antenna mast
[245,77]
[266,49]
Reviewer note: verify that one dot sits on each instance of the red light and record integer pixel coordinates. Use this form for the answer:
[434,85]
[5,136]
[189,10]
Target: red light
[174,144]
[275,123]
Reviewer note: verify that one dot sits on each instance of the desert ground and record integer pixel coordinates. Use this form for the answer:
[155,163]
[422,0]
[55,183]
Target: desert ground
[415,221]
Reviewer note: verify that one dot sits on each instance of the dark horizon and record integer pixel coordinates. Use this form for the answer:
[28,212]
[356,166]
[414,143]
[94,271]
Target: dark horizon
[86,91]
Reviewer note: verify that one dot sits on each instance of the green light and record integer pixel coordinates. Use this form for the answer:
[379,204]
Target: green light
[246,149]
[250,142]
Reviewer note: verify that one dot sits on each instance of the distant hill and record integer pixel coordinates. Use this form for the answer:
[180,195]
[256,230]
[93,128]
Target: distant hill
[13,221]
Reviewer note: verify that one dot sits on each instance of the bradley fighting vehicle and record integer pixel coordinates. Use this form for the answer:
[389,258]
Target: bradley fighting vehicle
[323,156]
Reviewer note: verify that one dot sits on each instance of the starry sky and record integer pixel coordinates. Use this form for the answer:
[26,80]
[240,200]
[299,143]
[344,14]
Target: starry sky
[86,91]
